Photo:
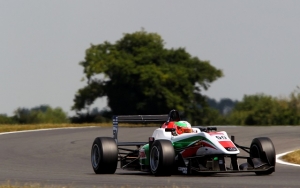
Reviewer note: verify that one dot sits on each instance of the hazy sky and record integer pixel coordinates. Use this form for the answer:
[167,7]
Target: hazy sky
[256,43]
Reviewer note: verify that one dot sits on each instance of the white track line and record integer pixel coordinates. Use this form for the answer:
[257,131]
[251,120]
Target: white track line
[35,130]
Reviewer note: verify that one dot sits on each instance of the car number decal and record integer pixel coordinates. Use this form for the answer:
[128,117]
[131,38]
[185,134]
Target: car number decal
[221,137]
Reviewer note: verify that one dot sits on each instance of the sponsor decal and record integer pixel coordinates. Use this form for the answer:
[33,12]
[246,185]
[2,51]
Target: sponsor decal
[228,145]
[142,154]
[231,149]
[183,170]
[221,137]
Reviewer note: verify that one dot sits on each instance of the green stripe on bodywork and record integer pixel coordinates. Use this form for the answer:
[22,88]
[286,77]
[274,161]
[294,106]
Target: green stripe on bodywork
[145,161]
[178,146]
[146,147]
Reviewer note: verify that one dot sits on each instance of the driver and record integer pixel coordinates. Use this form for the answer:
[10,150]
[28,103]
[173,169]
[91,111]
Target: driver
[180,126]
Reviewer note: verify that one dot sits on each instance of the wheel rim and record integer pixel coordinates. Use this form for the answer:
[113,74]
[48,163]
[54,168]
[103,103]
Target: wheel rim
[154,158]
[95,156]
[255,152]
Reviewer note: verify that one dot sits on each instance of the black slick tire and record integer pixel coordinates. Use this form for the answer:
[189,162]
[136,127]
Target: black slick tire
[104,155]
[162,158]
[264,149]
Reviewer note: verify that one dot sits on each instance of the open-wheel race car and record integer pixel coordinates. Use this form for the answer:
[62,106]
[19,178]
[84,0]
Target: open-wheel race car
[176,147]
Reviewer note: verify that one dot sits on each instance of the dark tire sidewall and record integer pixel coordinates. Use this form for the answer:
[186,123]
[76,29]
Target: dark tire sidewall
[266,150]
[166,158]
[108,154]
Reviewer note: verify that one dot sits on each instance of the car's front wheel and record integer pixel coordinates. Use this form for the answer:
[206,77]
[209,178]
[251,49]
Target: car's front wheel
[264,149]
[162,158]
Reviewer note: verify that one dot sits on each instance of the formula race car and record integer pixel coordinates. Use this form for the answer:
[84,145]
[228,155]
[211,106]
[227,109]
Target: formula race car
[176,147]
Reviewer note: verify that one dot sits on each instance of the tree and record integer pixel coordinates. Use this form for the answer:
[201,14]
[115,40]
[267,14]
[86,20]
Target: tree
[40,114]
[262,109]
[224,106]
[4,119]
[255,110]
[93,116]
[139,76]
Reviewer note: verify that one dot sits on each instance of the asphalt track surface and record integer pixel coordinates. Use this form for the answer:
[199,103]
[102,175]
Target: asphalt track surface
[62,157]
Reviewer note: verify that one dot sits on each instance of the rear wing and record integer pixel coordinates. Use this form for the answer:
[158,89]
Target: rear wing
[136,119]
[173,115]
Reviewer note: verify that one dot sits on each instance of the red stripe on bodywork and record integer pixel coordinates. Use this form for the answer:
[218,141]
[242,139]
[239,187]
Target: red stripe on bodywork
[215,133]
[190,151]
[227,144]
[205,144]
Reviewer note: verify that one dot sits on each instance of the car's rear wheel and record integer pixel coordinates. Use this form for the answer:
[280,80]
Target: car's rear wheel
[104,155]
[264,149]
[162,158]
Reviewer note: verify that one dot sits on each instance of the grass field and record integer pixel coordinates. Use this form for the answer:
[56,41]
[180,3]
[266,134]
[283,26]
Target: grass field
[18,127]
[16,185]
[293,157]
[8,185]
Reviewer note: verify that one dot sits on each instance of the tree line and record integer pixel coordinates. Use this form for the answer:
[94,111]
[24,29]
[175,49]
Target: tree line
[36,115]
[139,75]
[258,109]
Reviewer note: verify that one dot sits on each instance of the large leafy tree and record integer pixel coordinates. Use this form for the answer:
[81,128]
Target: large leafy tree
[140,76]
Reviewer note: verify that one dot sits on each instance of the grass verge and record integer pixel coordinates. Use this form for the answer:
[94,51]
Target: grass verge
[17,127]
[293,157]
[23,127]
[30,185]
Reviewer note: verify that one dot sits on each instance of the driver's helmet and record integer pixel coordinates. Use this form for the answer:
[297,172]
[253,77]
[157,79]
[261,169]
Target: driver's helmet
[183,127]
[180,126]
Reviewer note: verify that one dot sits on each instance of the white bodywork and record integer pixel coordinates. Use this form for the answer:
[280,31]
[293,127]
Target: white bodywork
[208,143]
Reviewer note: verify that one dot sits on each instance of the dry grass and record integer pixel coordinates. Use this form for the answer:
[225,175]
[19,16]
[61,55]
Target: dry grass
[37,185]
[293,157]
[30,185]
[18,127]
